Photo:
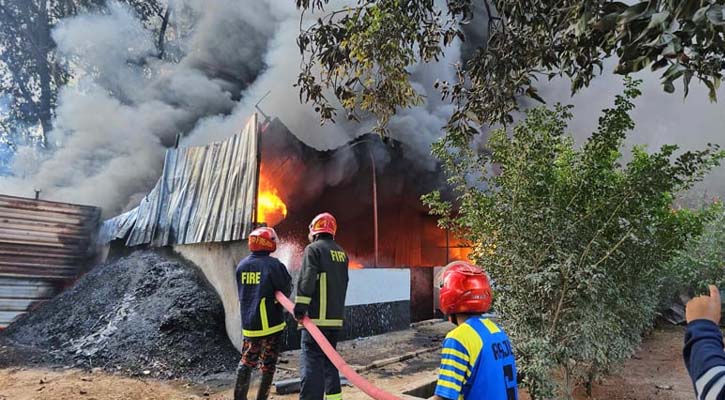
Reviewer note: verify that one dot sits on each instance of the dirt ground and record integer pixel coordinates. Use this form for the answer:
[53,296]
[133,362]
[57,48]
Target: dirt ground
[656,372]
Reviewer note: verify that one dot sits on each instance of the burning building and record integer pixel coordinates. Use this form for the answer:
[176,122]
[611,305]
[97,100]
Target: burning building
[372,189]
[210,197]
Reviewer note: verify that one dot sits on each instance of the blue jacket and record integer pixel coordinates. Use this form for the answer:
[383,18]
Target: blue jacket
[477,362]
[258,277]
[705,359]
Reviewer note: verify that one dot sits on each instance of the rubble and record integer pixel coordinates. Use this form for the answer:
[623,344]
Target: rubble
[149,313]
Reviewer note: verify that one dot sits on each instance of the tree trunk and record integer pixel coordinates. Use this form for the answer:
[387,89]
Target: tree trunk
[45,45]
[162,33]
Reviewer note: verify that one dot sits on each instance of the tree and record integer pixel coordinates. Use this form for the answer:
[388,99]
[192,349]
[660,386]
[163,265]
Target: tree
[702,261]
[30,73]
[575,241]
[359,56]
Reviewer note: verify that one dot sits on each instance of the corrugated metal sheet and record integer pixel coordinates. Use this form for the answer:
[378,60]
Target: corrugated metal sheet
[204,194]
[42,245]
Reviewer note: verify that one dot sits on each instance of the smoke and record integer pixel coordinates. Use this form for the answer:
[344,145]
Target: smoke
[660,118]
[126,105]
[417,128]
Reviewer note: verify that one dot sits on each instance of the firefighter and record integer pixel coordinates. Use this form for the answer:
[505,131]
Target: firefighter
[477,360]
[259,276]
[321,291]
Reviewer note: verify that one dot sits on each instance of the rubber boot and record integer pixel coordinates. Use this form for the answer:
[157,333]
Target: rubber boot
[265,386]
[241,389]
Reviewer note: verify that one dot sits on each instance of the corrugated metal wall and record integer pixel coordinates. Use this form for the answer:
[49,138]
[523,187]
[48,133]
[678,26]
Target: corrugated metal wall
[43,245]
[205,194]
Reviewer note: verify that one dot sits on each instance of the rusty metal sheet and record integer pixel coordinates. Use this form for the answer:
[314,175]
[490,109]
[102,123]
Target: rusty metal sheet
[43,244]
[204,194]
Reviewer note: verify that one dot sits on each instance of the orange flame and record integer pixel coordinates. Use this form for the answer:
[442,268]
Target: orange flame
[354,264]
[270,207]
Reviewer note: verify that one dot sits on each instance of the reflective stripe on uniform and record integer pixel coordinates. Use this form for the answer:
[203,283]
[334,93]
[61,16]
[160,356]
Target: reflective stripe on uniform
[323,296]
[274,329]
[453,374]
[448,384]
[303,300]
[328,323]
[266,329]
[492,328]
[336,396]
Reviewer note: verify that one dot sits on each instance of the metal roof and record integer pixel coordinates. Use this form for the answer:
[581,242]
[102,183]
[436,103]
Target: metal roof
[205,194]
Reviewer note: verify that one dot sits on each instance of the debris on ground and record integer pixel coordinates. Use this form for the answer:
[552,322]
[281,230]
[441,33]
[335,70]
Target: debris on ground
[148,314]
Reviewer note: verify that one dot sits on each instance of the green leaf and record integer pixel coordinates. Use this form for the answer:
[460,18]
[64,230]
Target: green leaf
[658,19]
[633,12]
[533,93]
[712,90]
[669,87]
[715,15]
[661,63]
[700,15]
[686,81]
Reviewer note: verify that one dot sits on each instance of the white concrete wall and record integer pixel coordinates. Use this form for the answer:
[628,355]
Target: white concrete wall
[377,285]
[218,261]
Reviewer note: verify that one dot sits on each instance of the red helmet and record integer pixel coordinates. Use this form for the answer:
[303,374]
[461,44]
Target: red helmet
[323,223]
[464,289]
[263,239]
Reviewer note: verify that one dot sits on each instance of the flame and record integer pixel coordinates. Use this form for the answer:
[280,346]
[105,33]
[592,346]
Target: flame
[270,207]
[354,264]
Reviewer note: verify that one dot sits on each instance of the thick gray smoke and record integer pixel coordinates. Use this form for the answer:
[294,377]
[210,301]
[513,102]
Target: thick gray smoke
[660,118]
[417,128]
[126,105]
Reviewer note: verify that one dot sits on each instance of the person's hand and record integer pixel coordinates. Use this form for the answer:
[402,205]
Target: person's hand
[300,310]
[704,307]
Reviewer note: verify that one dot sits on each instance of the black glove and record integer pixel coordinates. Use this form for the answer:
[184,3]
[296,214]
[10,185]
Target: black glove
[300,310]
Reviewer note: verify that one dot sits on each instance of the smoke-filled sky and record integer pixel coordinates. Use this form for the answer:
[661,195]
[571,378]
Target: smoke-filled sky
[125,105]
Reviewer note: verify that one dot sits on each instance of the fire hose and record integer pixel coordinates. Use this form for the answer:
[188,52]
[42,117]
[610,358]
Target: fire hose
[352,376]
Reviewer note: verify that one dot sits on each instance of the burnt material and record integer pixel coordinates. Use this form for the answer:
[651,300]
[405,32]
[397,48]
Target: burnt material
[143,312]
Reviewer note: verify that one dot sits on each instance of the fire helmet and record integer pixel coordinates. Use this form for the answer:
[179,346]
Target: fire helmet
[263,239]
[464,289]
[323,223]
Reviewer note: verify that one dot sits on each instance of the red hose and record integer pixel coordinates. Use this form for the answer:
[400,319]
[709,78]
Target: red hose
[352,376]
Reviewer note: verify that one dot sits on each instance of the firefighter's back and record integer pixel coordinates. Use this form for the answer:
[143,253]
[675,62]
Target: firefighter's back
[478,362]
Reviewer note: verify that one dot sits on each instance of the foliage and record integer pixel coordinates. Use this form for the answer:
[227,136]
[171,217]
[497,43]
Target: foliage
[30,73]
[362,53]
[702,261]
[580,239]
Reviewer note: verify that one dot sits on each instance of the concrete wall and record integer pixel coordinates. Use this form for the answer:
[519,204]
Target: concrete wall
[378,300]
[218,261]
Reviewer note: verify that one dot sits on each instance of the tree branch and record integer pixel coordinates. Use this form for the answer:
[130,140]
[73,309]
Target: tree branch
[162,33]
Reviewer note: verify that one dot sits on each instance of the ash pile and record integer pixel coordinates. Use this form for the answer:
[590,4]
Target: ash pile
[144,314]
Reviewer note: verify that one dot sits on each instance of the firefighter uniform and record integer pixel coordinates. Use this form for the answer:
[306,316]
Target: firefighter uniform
[477,362]
[321,291]
[258,277]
